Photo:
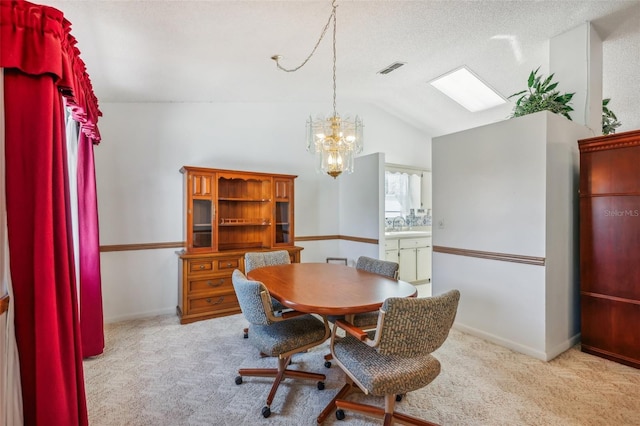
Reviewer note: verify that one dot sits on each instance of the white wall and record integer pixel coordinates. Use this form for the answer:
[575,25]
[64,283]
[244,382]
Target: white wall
[362,208]
[140,188]
[575,59]
[510,188]
[488,188]
[489,195]
[562,232]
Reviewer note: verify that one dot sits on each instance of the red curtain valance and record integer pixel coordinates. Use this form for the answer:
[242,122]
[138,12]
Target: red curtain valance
[37,40]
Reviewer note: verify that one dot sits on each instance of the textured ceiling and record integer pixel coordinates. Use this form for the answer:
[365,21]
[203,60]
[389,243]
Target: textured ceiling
[219,51]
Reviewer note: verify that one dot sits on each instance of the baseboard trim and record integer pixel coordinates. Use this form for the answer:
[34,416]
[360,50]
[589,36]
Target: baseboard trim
[141,315]
[564,346]
[518,347]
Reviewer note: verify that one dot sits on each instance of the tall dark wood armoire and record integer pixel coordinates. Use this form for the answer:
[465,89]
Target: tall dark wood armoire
[610,246]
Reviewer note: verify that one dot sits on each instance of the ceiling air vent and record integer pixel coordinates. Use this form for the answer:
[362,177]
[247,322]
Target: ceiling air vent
[394,66]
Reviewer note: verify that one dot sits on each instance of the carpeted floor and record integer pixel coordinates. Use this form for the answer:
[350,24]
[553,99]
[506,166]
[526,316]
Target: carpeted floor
[157,372]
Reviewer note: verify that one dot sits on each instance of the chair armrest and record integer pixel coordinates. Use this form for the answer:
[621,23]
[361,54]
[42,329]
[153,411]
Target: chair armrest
[356,332]
[268,309]
[291,314]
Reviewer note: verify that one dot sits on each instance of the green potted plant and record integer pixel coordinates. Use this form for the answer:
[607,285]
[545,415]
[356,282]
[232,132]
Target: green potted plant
[541,95]
[609,120]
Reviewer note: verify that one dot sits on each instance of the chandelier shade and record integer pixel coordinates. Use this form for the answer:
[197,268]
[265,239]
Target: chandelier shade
[334,141]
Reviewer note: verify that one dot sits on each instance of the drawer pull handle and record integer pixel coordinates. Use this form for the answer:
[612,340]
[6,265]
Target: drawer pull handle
[220,300]
[201,266]
[229,264]
[218,284]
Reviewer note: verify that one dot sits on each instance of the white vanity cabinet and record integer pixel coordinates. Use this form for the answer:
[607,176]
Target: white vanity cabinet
[423,262]
[415,259]
[391,250]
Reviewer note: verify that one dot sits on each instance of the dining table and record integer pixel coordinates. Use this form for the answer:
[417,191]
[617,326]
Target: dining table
[329,289]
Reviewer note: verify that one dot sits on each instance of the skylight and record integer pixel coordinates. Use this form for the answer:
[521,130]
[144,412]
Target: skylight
[464,87]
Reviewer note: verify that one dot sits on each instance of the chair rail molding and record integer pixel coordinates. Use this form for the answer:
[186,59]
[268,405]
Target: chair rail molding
[181,244]
[516,258]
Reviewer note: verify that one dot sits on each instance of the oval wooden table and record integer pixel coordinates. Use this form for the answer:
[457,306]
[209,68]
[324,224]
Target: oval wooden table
[329,289]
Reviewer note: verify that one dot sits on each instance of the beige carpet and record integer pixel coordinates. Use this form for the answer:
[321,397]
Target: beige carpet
[158,372]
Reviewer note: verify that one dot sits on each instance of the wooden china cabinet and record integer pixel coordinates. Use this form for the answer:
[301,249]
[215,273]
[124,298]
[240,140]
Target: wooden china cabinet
[610,246]
[226,214]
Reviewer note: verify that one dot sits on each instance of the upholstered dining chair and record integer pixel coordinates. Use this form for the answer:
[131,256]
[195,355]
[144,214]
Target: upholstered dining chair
[367,320]
[278,336]
[396,359]
[377,266]
[258,259]
[380,267]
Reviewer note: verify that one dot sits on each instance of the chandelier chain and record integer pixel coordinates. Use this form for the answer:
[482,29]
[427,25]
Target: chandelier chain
[332,17]
[334,141]
[334,59]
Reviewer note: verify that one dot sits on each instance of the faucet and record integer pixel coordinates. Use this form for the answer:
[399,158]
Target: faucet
[400,219]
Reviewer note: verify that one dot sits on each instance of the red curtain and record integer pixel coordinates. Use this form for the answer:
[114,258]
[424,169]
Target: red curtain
[91,318]
[41,254]
[41,63]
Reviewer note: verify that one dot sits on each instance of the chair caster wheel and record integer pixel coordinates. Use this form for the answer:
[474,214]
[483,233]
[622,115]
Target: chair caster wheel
[399,397]
[340,414]
[266,411]
[238,380]
[320,385]
[327,364]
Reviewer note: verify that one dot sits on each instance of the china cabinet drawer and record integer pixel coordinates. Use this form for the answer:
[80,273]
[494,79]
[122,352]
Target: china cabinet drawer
[211,264]
[210,284]
[227,263]
[200,265]
[219,303]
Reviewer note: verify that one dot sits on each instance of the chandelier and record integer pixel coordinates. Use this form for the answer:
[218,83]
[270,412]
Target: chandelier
[334,141]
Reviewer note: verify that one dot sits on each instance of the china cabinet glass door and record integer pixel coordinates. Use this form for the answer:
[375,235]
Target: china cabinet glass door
[283,214]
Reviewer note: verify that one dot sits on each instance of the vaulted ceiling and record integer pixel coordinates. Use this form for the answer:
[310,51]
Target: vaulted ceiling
[219,51]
